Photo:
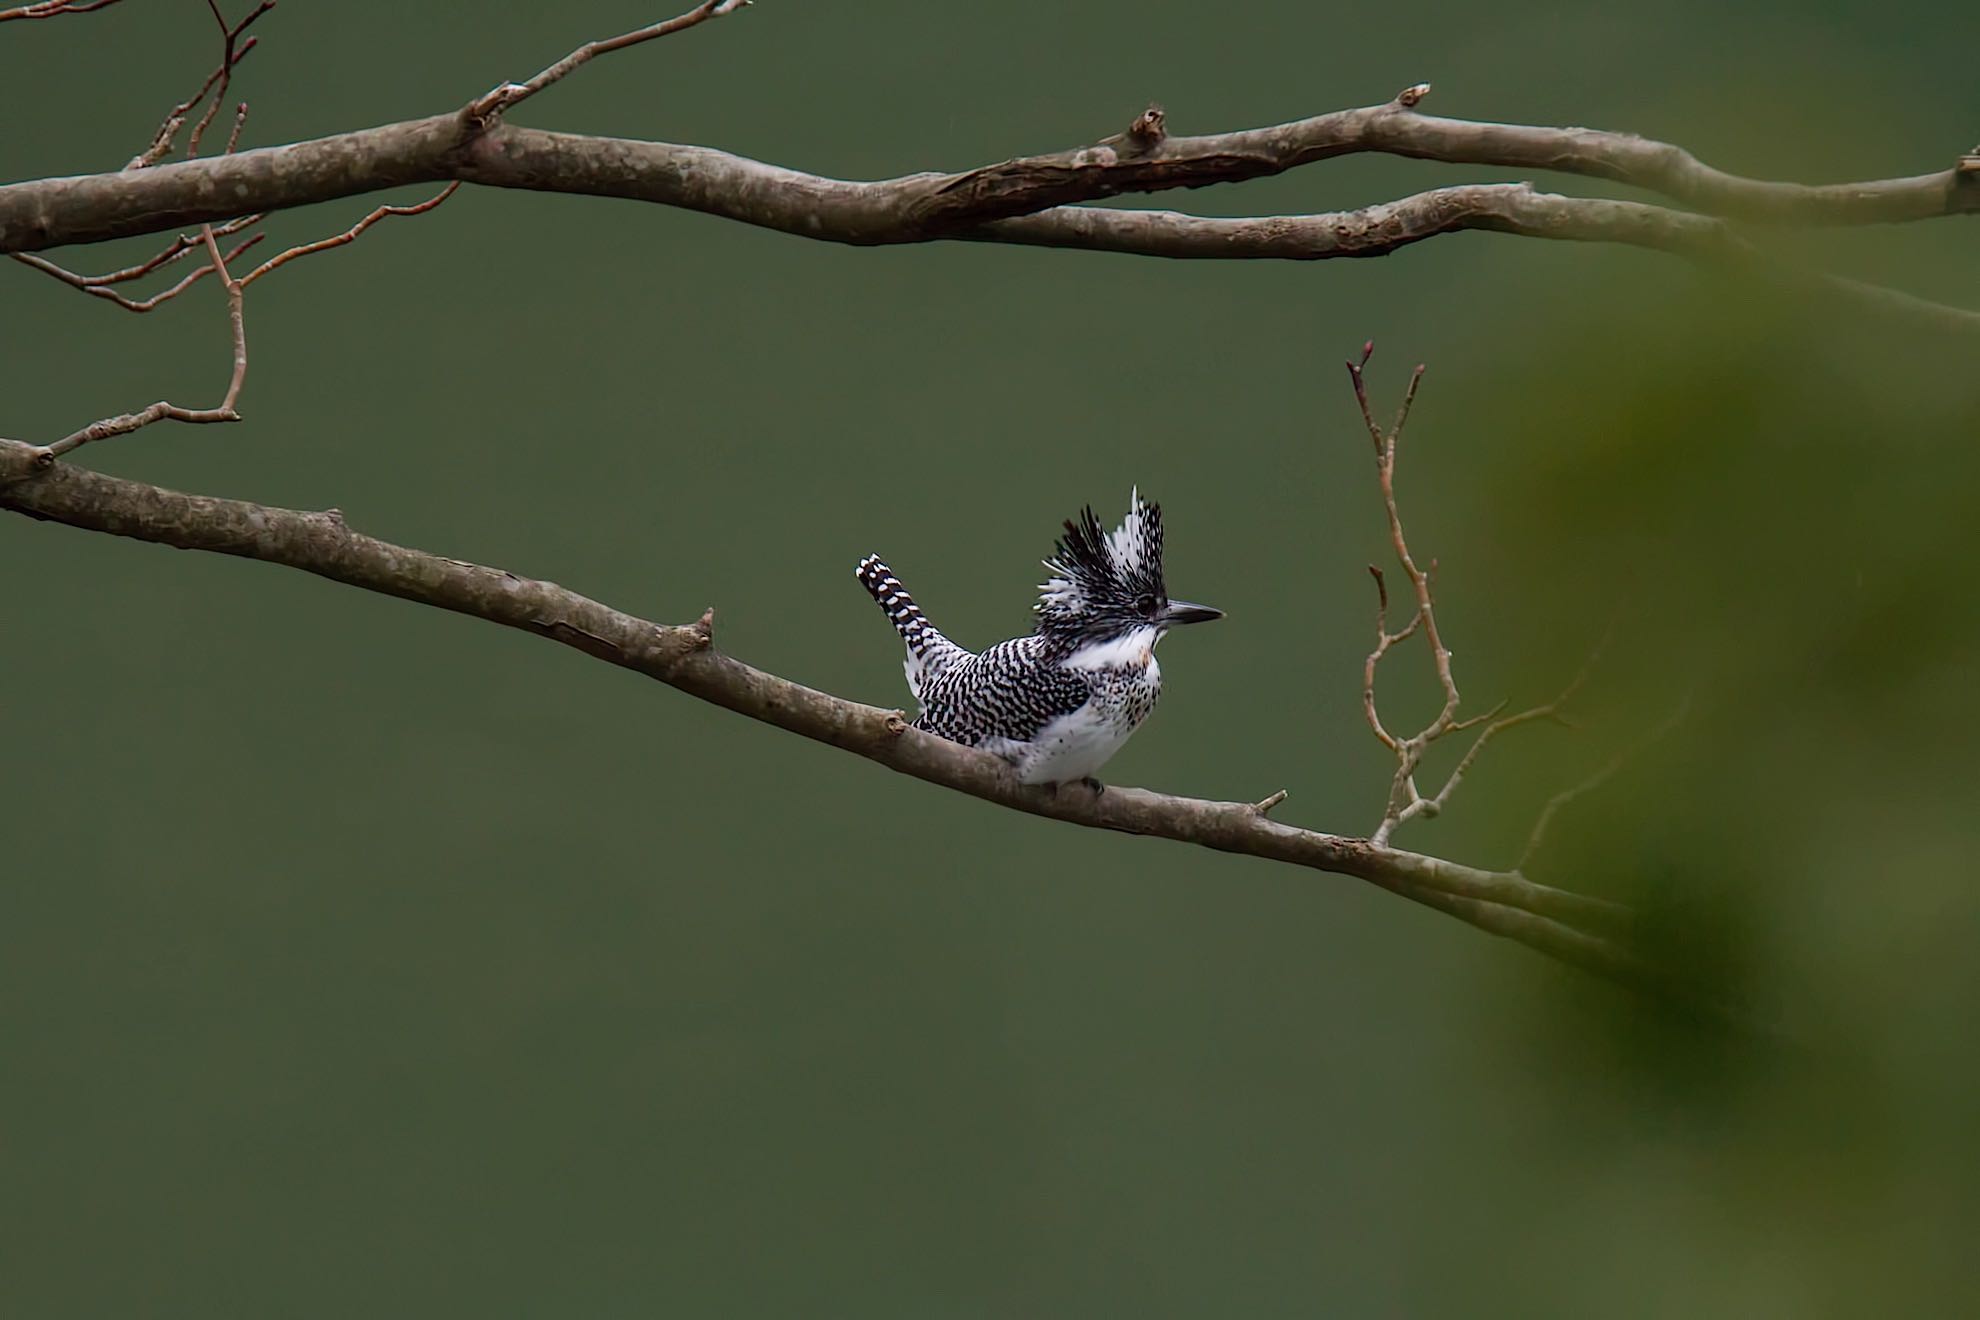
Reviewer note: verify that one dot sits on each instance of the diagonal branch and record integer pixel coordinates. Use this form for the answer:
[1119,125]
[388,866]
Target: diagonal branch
[1573,928]
[282,259]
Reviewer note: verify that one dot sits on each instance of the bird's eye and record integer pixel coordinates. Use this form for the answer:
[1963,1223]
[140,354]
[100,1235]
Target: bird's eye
[1145,604]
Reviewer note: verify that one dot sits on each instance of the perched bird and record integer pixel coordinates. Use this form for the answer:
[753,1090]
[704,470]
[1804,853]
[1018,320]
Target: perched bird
[1058,703]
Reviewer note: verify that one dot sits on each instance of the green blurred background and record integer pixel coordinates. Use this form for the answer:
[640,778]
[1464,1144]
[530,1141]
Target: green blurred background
[357,958]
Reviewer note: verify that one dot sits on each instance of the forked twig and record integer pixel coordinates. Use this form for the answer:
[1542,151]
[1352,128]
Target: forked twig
[95,285]
[217,263]
[164,411]
[228,59]
[1406,801]
[233,51]
[173,251]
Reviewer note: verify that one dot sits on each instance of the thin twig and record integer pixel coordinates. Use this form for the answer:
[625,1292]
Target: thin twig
[338,240]
[240,122]
[485,108]
[228,59]
[53,9]
[173,251]
[235,319]
[1602,776]
[94,285]
[1384,639]
[164,411]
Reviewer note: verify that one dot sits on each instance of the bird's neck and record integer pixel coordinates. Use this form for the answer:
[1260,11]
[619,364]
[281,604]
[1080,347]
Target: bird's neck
[1134,649]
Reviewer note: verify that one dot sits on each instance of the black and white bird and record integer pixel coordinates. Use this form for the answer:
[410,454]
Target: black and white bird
[1058,703]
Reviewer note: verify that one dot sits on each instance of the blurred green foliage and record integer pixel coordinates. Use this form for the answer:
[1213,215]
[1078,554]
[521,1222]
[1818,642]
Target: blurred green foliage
[357,958]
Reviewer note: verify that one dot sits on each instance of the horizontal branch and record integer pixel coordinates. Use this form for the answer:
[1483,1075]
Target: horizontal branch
[48,213]
[1499,208]
[1573,928]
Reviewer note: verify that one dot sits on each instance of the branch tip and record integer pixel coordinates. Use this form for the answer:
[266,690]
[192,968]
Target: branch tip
[1265,807]
[1410,96]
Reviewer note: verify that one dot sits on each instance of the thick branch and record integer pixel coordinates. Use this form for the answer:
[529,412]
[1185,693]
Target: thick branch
[53,212]
[1555,922]
[47,213]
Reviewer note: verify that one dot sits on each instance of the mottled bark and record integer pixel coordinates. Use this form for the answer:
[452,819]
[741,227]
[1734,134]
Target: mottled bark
[980,203]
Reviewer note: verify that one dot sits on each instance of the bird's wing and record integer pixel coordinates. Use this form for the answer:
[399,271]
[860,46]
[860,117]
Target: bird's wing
[1005,693]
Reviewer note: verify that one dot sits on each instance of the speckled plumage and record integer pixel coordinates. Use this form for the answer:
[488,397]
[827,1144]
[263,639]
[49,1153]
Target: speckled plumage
[1060,702]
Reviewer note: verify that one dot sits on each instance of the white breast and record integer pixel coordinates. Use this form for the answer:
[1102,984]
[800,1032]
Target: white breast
[1126,681]
[1073,746]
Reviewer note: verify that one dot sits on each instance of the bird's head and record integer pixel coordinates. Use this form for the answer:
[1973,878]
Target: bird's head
[1108,585]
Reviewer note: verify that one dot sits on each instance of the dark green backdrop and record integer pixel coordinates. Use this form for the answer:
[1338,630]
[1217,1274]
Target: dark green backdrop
[361,959]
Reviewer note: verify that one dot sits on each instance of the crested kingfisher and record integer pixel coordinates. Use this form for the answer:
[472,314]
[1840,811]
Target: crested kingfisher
[1059,702]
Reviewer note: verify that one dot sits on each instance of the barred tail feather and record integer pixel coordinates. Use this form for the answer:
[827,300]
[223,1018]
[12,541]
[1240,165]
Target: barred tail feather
[929,652]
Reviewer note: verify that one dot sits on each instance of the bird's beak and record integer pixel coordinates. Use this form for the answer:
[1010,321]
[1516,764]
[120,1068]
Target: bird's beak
[1182,611]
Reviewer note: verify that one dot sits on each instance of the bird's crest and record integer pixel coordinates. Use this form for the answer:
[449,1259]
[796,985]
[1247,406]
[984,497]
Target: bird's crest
[1105,583]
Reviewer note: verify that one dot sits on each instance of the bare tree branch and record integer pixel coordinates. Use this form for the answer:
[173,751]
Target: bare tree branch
[1501,208]
[1029,200]
[1553,921]
[54,212]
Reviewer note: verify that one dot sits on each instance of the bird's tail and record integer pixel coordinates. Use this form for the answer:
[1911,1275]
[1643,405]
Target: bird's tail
[902,612]
[929,652]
